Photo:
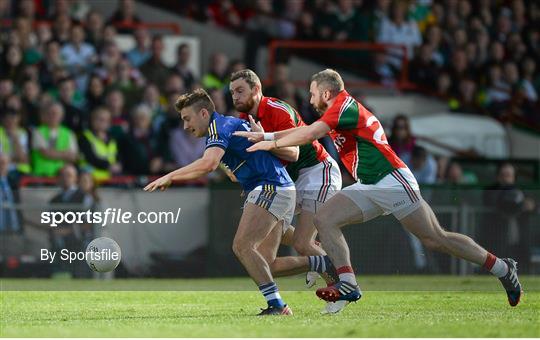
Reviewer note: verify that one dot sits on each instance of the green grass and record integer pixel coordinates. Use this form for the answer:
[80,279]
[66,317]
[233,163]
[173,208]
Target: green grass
[392,306]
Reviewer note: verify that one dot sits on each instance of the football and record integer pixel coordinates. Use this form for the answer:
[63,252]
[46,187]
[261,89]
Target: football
[103,254]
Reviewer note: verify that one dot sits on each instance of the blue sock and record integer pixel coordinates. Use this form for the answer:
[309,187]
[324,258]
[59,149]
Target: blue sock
[271,294]
[318,263]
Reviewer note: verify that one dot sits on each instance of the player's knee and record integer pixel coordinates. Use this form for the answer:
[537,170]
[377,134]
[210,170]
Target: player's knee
[320,222]
[241,248]
[303,247]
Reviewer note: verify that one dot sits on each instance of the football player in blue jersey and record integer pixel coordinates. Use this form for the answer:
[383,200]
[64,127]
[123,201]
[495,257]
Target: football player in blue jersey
[270,202]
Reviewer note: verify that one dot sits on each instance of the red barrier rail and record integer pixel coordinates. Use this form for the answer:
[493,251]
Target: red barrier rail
[170,26]
[403,82]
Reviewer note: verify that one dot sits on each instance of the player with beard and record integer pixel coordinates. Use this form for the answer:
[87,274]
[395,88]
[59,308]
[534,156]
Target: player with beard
[384,186]
[316,174]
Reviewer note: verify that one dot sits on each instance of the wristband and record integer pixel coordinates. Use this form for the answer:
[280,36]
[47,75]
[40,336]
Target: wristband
[268,136]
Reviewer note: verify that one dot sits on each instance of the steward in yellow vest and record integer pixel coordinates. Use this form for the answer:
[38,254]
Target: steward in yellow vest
[99,149]
[53,145]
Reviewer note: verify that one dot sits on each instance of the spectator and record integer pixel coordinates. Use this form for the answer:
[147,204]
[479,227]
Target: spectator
[218,97]
[30,103]
[9,219]
[435,40]
[26,9]
[95,95]
[458,69]
[507,227]
[44,35]
[140,54]
[423,69]
[151,98]
[498,93]
[6,90]
[154,70]
[182,68]
[95,29]
[14,142]
[51,63]
[12,65]
[261,27]
[79,56]
[140,146]
[178,147]
[99,149]
[125,17]
[53,145]
[119,117]
[225,14]
[62,28]
[129,81]
[88,186]
[399,31]
[71,236]
[456,176]
[305,29]
[422,165]
[109,60]
[466,101]
[174,83]
[347,23]
[280,76]
[217,76]
[401,139]
[109,35]
[74,118]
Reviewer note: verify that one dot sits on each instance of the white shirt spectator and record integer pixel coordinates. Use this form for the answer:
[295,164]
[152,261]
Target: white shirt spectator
[79,61]
[405,34]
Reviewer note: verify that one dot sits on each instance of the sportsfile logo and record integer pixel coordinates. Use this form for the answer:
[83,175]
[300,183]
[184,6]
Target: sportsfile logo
[110,215]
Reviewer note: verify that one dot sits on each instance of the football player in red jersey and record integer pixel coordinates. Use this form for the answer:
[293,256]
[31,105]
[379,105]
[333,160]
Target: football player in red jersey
[384,186]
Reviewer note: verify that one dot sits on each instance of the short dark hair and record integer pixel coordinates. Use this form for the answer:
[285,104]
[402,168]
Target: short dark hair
[329,80]
[249,76]
[199,99]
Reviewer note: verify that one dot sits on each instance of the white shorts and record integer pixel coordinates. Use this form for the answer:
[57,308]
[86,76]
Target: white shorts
[317,184]
[279,201]
[397,194]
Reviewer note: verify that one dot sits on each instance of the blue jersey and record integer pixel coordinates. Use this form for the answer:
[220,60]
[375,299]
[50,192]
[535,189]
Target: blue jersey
[250,168]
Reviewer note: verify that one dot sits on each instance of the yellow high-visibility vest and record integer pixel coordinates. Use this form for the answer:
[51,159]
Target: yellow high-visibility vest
[107,151]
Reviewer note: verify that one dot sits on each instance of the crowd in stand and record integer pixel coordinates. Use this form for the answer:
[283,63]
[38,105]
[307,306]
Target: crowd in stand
[68,94]
[479,56]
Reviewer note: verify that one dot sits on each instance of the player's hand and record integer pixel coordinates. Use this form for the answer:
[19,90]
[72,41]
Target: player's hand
[261,146]
[228,172]
[160,183]
[253,137]
[255,127]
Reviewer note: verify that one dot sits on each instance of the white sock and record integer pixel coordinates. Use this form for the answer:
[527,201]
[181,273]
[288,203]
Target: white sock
[500,268]
[349,277]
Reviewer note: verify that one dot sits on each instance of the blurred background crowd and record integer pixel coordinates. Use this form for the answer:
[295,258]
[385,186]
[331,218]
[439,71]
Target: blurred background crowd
[68,94]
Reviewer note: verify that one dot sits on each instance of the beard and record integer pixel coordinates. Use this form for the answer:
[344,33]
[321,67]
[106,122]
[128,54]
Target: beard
[320,107]
[244,107]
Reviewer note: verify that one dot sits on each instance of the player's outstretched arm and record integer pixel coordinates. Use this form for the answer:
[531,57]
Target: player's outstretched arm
[258,136]
[298,136]
[202,166]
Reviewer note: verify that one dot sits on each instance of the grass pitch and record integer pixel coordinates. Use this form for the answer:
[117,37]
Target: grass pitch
[392,306]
